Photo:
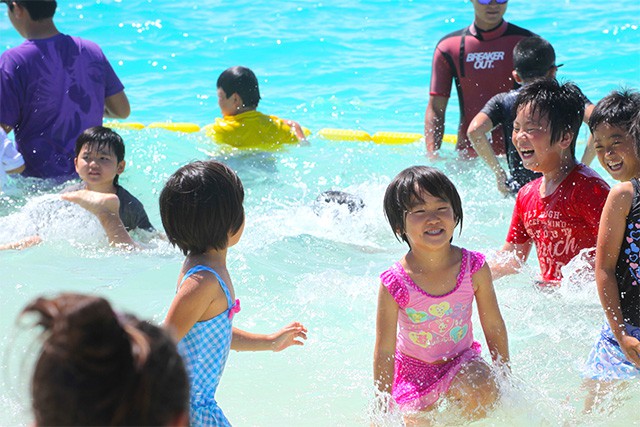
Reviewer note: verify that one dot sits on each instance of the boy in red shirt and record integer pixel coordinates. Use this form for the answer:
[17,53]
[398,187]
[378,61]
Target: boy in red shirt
[559,212]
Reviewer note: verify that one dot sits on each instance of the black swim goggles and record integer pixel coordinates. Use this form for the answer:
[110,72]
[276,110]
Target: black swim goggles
[486,2]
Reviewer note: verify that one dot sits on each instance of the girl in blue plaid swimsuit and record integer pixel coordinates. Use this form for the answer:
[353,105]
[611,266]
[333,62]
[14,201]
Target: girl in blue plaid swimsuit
[202,214]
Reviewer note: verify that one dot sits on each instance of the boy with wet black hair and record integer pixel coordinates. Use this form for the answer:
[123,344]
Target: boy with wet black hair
[560,211]
[533,58]
[242,126]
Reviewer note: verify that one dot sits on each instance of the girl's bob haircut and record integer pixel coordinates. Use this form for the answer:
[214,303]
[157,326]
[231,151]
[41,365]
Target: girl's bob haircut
[405,192]
[201,206]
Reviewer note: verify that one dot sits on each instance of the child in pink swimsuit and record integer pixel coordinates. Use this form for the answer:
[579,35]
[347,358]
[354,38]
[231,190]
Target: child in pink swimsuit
[424,339]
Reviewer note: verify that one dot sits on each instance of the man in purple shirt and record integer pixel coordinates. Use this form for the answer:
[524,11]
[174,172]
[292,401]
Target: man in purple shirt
[53,87]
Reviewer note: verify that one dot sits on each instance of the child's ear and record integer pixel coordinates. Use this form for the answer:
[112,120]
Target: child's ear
[516,77]
[237,101]
[565,141]
[75,163]
[120,167]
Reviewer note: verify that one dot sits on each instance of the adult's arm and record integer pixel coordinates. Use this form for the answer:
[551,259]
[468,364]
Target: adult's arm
[477,133]
[434,123]
[589,150]
[117,106]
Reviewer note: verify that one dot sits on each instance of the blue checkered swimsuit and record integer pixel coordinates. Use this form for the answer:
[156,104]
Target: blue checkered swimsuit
[204,350]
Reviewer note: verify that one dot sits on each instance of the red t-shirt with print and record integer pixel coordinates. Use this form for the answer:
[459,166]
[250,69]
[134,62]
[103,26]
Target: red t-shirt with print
[562,224]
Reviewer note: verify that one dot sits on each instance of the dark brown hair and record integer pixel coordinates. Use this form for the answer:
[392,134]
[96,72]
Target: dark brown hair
[38,9]
[561,103]
[99,368]
[617,109]
[201,205]
[404,192]
[99,137]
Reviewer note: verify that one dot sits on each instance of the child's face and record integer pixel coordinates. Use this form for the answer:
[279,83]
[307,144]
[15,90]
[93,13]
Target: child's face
[616,152]
[532,138]
[430,223]
[98,168]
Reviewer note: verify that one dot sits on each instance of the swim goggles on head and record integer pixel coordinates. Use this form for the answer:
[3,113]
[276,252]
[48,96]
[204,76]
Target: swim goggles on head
[485,2]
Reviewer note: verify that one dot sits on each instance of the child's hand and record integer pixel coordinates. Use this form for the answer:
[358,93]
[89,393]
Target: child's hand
[288,336]
[630,346]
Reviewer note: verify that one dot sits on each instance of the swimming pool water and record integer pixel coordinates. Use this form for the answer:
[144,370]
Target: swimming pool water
[355,65]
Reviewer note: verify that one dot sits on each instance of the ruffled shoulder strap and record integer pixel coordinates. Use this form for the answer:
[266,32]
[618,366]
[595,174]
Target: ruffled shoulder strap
[394,281]
[476,261]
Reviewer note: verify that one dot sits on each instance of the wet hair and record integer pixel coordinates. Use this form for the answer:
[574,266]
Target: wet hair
[201,206]
[616,109]
[99,137]
[634,131]
[96,367]
[242,81]
[404,193]
[353,202]
[38,9]
[561,103]
[533,57]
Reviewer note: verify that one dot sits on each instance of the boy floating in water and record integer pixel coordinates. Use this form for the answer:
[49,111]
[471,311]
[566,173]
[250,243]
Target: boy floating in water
[242,126]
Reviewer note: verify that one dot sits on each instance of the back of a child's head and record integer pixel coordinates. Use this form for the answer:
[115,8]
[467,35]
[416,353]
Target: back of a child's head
[243,81]
[201,206]
[96,367]
[38,9]
[407,190]
[561,103]
[533,57]
[617,109]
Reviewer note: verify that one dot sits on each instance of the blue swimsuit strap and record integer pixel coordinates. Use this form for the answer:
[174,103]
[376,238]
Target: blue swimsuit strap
[223,285]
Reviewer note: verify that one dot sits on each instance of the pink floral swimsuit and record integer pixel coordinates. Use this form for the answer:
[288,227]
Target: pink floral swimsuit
[431,328]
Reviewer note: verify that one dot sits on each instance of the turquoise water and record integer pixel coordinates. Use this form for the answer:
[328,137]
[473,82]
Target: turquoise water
[355,65]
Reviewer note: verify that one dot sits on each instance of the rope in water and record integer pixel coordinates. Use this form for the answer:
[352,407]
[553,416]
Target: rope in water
[390,138]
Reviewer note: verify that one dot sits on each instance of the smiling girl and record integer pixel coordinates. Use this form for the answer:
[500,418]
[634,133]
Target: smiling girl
[424,339]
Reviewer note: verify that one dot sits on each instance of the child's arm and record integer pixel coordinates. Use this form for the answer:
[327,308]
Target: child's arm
[199,297]
[385,348]
[589,150]
[510,258]
[491,320]
[19,169]
[27,242]
[610,234]
[278,341]
[477,134]
[106,207]
[297,129]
